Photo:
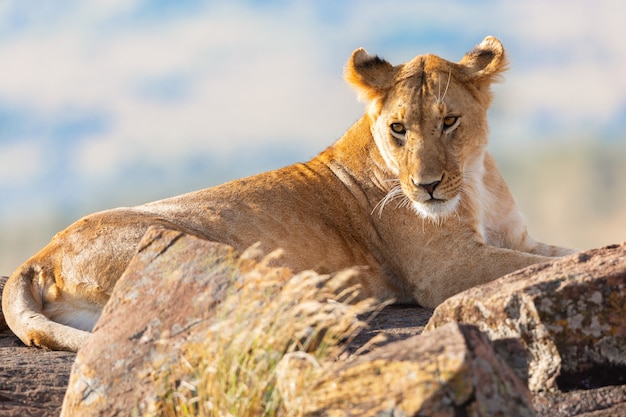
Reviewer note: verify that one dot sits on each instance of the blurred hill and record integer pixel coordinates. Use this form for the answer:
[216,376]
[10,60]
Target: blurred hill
[571,195]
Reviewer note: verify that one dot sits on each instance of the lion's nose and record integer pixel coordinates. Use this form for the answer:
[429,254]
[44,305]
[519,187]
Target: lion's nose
[430,187]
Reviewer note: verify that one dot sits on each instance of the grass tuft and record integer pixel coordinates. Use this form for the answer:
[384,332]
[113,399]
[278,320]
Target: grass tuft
[268,338]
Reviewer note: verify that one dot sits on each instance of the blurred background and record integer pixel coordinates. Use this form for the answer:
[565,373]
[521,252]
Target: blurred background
[109,103]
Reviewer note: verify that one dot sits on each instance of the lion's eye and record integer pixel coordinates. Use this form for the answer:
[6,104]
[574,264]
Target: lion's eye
[449,122]
[398,132]
[398,128]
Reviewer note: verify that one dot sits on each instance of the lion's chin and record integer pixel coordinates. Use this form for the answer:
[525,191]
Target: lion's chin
[436,210]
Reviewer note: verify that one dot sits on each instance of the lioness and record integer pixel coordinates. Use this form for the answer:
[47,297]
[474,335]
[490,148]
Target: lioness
[409,192]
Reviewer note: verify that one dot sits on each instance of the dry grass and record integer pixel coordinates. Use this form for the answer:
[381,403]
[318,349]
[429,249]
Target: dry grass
[269,317]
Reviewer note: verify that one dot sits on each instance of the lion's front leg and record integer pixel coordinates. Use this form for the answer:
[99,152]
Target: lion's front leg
[515,236]
[532,246]
[503,223]
[511,232]
[469,266]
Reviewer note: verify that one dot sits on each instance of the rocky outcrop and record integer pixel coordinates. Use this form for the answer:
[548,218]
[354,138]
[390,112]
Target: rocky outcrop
[161,305]
[561,323]
[453,371]
[184,303]
[567,319]
[3,323]
[32,381]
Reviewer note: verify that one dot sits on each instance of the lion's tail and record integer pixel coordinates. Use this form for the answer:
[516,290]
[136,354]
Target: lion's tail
[22,306]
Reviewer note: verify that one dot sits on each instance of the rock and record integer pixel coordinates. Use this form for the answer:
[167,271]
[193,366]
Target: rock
[393,323]
[161,302]
[183,302]
[3,323]
[32,381]
[607,401]
[452,371]
[569,316]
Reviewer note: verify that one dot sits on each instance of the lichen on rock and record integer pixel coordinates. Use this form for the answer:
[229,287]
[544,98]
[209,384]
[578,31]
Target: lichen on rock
[568,314]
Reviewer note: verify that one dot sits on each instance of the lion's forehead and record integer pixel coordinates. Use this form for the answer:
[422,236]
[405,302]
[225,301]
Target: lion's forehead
[415,103]
[424,69]
[425,88]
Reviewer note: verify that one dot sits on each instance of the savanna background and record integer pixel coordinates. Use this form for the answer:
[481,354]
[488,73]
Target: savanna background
[107,103]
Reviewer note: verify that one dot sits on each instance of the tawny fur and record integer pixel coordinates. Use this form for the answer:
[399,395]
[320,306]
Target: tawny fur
[409,192]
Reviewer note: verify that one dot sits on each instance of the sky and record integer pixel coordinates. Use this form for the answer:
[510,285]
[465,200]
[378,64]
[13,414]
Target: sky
[118,102]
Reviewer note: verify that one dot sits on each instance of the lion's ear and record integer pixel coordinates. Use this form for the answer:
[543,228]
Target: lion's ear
[370,75]
[486,62]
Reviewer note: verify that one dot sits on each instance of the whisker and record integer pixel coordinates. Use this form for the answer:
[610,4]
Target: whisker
[405,202]
[394,193]
[447,85]
[439,90]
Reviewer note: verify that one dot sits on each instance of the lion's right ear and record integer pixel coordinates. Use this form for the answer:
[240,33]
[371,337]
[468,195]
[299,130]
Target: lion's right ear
[486,62]
[370,75]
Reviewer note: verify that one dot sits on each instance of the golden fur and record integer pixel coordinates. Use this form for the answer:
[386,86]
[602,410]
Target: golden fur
[409,192]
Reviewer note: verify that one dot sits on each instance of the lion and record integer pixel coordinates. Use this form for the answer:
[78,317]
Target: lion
[409,194]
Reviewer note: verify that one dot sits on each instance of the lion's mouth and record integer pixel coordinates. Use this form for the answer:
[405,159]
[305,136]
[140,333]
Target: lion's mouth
[436,208]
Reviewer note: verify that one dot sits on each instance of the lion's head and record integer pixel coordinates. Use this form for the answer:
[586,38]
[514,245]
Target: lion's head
[429,120]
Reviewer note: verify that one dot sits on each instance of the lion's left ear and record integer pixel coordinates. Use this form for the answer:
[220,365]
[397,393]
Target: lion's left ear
[370,75]
[486,62]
